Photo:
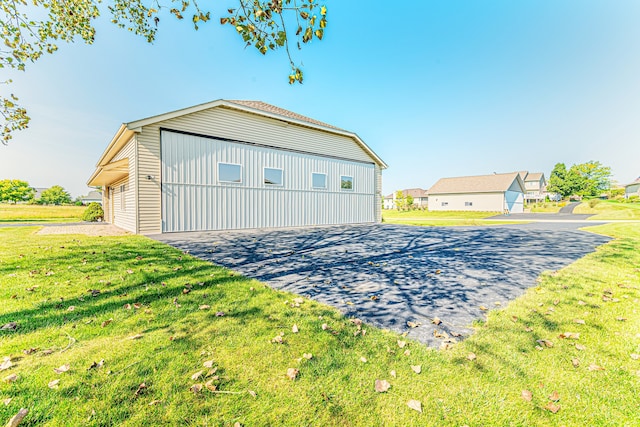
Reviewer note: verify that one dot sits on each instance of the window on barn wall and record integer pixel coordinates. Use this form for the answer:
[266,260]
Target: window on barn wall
[229,172]
[123,199]
[319,180]
[273,176]
[468,203]
[445,203]
[346,182]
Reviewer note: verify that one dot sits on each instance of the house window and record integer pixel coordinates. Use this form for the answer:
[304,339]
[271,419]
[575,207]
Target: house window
[229,172]
[123,199]
[272,176]
[319,180]
[468,203]
[346,182]
[445,204]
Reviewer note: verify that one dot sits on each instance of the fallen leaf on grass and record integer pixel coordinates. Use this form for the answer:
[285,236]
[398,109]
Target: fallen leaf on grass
[208,364]
[528,329]
[97,365]
[197,375]
[471,356]
[53,384]
[17,418]
[382,385]
[594,367]
[6,364]
[140,390]
[325,326]
[278,339]
[545,343]
[204,307]
[61,369]
[220,314]
[292,373]
[294,329]
[210,385]
[252,393]
[392,373]
[29,351]
[621,319]
[407,352]
[526,395]
[575,362]
[413,324]
[569,335]
[136,337]
[10,378]
[579,321]
[11,326]
[196,388]
[308,356]
[155,402]
[401,344]
[106,322]
[554,396]
[71,308]
[415,405]
[552,407]
[635,356]
[127,306]
[7,401]
[416,368]
[580,347]
[363,359]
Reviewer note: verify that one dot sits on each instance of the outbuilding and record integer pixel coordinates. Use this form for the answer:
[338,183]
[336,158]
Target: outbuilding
[236,164]
[498,192]
[632,189]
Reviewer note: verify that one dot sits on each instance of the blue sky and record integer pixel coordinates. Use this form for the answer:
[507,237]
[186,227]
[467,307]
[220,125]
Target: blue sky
[436,88]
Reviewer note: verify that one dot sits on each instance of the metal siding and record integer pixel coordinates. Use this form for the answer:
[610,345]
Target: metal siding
[193,199]
[126,218]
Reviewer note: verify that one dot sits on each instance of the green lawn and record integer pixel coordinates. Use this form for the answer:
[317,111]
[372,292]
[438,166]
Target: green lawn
[162,317]
[440,218]
[545,207]
[37,213]
[610,209]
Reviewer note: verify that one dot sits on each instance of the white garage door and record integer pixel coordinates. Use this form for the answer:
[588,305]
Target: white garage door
[213,184]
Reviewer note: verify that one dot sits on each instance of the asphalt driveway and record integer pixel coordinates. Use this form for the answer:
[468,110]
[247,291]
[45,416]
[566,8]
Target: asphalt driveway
[388,275]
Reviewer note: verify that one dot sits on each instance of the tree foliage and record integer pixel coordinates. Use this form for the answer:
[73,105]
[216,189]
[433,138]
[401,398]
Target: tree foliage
[55,195]
[15,190]
[266,25]
[585,179]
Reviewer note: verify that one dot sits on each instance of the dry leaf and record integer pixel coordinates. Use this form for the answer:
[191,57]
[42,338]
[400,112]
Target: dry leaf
[308,356]
[154,402]
[97,365]
[471,356]
[528,329]
[294,329]
[514,319]
[575,362]
[569,335]
[292,373]
[545,343]
[53,384]
[363,359]
[635,356]
[17,418]
[446,345]
[210,385]
[526,395]
[325,326]
[197,375]
[7,401]
[252,393]
[392,373]
[278,339]
[582,302]
[552,407]
[137,305]
[407,352]
[436,321]
[554,396]
[204,307]
[416,368]
[220,314]
[594,367]
[61,369]
[71,308]
[106,322]
[401,344]
[483,308]
[6,364]
[298,300]
[11,326]
[621,319]
[10,378]
[208,364]
[196,388]
[136,337]
[30,351]
[415,405]
[382,385]
[580,347]
[140,389]
[127,306]
[413,324]
[579,321]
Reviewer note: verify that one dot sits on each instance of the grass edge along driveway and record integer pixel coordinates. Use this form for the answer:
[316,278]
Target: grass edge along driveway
[127,331]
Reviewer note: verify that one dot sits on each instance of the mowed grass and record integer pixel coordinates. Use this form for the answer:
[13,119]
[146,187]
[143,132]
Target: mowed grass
[151,325]
[441,218]
[37,213]
[545,207]
[610,209]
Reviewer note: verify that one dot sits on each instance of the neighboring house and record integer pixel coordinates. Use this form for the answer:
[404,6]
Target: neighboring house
[535,186]
[236,164]
[93,196]
[389,201]
[632,189]
[490,193]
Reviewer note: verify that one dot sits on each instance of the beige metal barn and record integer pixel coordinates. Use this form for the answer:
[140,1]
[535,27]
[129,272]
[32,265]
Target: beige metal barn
[236,164]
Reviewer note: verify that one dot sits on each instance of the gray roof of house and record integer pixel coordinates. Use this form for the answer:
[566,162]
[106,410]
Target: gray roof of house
[263,106]
[493,183]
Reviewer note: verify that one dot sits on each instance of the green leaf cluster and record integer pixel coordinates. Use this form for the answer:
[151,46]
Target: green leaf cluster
[588,179]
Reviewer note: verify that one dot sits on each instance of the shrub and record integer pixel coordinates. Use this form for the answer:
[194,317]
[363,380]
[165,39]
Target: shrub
[593,203]
[93,212]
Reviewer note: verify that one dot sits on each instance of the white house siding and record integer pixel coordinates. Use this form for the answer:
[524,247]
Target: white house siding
[123,207]
[378,191]
[487,202]
[632,190]
[230,124]
[194,199]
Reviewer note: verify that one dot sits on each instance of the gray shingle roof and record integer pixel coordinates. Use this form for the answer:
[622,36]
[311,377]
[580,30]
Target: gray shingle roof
[474,184]
[263,106]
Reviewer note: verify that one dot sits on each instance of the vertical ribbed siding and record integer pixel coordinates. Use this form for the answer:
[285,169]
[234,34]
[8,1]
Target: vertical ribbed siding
[193,198]
[378,206]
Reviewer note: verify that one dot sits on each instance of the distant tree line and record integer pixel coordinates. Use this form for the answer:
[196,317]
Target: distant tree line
[15,191]
[590,179]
